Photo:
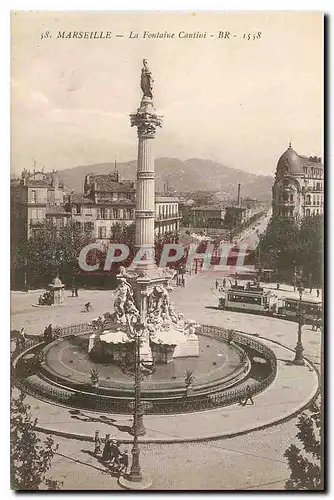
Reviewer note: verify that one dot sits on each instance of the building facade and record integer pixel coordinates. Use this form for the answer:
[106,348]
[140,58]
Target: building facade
[298,190]
[207,215]
[167,216]
[106,200]
[35,198]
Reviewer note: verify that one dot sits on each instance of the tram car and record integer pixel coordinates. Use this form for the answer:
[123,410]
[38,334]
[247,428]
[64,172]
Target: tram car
[239,299]
[310,308]
[258,300]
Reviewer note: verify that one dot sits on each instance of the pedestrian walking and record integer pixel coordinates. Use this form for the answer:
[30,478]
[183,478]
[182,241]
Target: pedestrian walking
[318,292]
[124,462]
[183,281]
[277,285]
[76,291]
[98,443]
[314,323]
[22,338]
[115,454]
[106,454]
[224,283]
[248,396]
[49,333]
[217,284]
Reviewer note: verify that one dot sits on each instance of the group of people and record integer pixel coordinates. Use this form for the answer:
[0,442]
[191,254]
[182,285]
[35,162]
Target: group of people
[48,334]
[180,280]
[46,299]
[111,455]
[316,323]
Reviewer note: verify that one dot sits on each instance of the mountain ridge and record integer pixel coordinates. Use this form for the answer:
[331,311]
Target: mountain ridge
[193,174]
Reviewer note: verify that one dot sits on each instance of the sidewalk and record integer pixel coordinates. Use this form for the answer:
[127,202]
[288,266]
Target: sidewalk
[292,389]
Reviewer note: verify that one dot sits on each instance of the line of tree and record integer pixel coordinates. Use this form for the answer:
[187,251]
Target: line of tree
[49,251]
[305,455]
[31,458]
[52,251]
[290,247]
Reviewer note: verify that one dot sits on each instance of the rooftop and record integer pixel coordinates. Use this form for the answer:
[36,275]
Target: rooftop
[208,208]
[108,183]
[292,163]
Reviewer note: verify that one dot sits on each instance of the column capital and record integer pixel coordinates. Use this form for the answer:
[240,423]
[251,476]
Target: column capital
[146,119]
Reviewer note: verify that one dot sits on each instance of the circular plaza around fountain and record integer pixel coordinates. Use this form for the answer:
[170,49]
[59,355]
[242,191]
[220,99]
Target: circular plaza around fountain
[59,372]
[218,365]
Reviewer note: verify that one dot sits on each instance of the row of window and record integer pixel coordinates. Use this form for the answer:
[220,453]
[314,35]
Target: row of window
[167,209]
[286,197]
[285,211]
[316,199]
[116,213]
[106,213]
[313,172]
[317,211]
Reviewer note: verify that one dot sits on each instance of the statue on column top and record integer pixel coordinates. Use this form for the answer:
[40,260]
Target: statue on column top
[146,81]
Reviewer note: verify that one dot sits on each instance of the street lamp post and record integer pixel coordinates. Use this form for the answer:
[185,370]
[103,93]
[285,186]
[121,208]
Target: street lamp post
[299,360]
[136,479]
[294,278]
[138,428]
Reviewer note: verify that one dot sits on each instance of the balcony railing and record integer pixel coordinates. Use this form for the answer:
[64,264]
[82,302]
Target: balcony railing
[166,217]
[36,222]
[37,201]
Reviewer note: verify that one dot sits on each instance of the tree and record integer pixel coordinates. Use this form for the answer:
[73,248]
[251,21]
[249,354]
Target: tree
[123,233]
[50,250]
[311,242]
[30,457]
[304,461]
[287,244]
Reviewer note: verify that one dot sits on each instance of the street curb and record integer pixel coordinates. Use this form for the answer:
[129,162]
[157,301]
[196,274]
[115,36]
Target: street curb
[211,437]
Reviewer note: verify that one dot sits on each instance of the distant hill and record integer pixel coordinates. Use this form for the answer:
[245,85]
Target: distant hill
[189,175]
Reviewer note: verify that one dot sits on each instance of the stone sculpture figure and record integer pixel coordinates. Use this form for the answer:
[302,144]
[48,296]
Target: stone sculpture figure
[123,294]
[146,81]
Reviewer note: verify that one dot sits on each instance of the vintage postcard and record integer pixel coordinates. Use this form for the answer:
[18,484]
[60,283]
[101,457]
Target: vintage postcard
[167,286]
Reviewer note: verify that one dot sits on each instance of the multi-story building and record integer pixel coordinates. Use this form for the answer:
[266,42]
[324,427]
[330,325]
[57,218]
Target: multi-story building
[106,199]
[298,190]
[207,215]
[167,216]
[35,198]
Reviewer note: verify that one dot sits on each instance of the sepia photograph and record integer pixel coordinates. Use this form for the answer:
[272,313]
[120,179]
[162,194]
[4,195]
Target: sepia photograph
[167,251]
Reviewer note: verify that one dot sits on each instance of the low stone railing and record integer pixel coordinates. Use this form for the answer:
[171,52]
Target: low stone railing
[104,403]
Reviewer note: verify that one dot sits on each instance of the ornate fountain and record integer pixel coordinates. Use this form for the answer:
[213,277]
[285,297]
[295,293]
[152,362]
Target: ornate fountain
[166,335]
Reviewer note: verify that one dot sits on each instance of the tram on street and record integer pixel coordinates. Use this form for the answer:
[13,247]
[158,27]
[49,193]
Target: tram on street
[310,308]
[258,300]
[237,299]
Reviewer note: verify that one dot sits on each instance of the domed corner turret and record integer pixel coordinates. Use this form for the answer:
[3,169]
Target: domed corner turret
[290,163]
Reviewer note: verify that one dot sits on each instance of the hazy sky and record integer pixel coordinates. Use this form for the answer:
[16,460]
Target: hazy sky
[235,101]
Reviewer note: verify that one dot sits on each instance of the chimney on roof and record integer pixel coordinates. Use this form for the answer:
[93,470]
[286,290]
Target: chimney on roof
[238,200]
[55,185]
[69,201]
[116,174]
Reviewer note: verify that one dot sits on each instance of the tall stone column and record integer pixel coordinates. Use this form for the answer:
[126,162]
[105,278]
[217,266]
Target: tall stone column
[146,120]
